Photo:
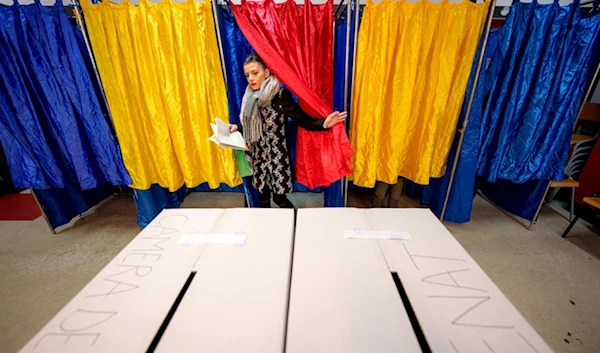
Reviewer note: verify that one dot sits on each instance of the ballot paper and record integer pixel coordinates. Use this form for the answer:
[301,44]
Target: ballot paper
[223,138]
[376,234]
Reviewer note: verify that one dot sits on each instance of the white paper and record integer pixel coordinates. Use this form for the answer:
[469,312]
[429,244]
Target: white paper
[222,130]
[214,139]
[224,138]
[235,140]
[213,238]
[376,234]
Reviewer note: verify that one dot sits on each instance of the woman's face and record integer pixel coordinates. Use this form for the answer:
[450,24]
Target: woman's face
[256,74]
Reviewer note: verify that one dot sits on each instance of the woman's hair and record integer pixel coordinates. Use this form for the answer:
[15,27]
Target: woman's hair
[254,58]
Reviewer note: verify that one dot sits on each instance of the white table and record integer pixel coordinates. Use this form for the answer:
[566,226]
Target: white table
[344,297]
[236,301]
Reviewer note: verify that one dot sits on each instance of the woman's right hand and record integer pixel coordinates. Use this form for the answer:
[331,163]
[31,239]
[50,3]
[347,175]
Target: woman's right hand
[233,128]
[334,118]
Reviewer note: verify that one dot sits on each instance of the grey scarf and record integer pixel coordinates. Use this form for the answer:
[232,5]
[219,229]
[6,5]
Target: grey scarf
[252,102]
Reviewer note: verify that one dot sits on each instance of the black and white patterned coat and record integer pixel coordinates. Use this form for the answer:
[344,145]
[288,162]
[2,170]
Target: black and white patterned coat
[271,160]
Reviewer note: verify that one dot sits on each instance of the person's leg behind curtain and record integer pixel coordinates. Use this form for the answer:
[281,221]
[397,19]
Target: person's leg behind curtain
[395,193]
[381,189]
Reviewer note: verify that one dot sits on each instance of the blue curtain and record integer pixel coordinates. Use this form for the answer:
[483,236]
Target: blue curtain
[340,58]
[63,204]
[519,199]
[90,69]
[53,127]
[339,70]
[517,163]
[51,124]
[339,62]
[541,66]
[236,48]
[151,202]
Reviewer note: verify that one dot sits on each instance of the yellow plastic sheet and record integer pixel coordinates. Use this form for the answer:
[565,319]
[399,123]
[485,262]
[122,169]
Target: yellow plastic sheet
[159,65]
[413,64]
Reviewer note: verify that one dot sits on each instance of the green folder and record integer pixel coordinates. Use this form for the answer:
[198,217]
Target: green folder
[243,165]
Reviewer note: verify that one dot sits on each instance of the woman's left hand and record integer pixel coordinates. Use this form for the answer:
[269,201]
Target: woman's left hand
[334,118]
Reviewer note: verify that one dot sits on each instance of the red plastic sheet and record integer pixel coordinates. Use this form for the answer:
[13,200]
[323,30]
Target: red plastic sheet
[296,43]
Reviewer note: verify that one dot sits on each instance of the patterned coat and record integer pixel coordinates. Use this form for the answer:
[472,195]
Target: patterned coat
[271,161]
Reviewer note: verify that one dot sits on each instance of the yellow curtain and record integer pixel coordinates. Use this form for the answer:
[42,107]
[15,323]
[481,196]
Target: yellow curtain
[159,65]
[413,64]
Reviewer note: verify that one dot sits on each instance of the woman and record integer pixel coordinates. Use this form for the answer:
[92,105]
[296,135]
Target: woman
[265,107]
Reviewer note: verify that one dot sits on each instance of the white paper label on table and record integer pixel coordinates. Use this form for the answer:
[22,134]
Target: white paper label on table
[214,238]
[376,234]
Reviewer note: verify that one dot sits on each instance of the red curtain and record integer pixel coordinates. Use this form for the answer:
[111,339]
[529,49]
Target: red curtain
[296,43]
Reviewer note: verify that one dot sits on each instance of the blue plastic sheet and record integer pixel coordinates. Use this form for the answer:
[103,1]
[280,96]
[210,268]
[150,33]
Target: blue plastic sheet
[540,67]
[51,125]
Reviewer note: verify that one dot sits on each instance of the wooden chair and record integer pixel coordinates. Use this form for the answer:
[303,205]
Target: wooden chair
[588,123]
[593,202]
[579,156]
[567,183]
[584,138]
[580,137]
